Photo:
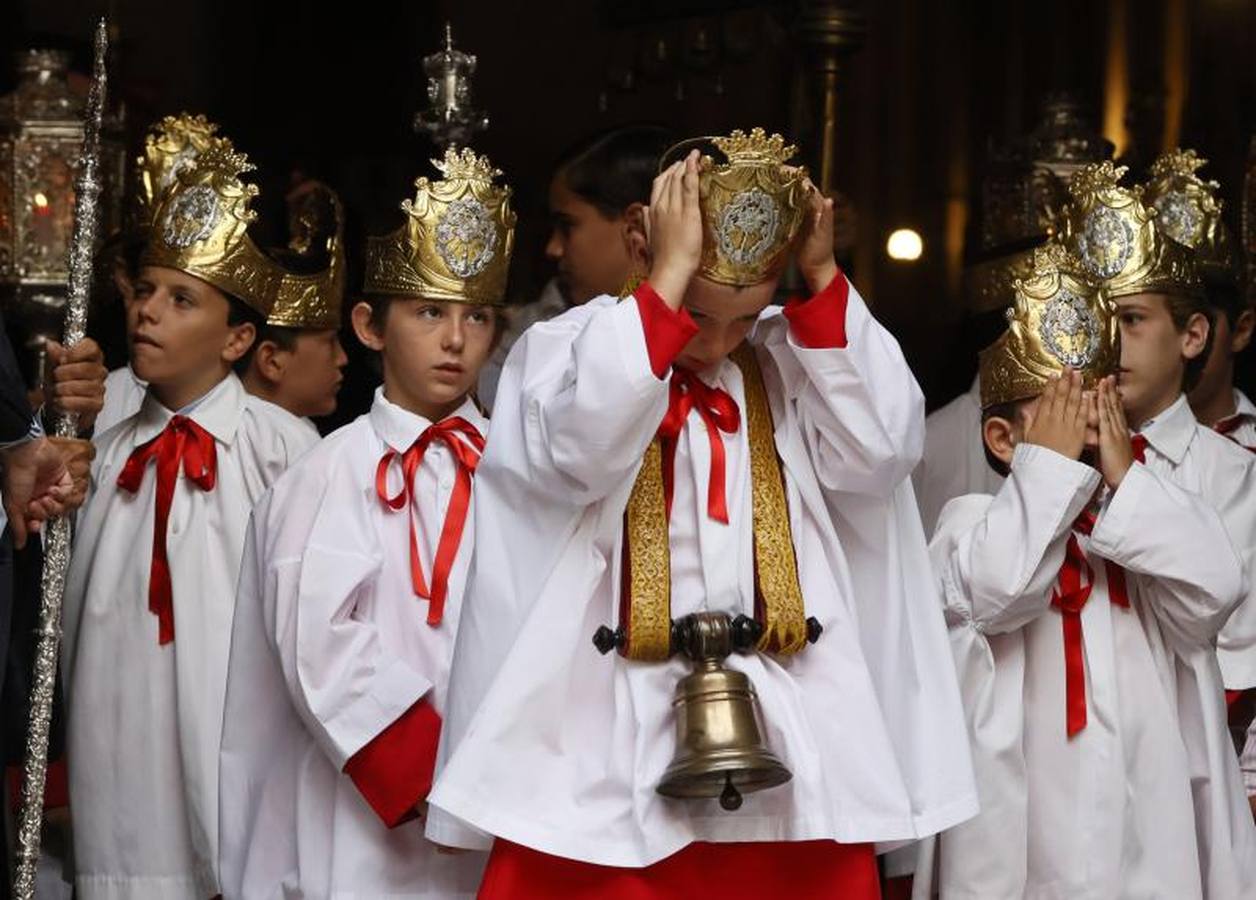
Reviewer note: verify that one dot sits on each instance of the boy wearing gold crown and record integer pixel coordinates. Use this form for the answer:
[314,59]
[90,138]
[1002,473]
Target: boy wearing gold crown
[150,591]
[1166,335]
[678,454]
[295,360]
[352,588]
[1085,597]
[1189,211]
[1082,600]
[171,146]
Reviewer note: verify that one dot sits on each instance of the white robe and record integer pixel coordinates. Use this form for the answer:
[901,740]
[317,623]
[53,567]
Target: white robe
[330,647]
[551,745]
[1236,645]
[144,720]
[1146,800]
[954,460]
[124,394]
[519,319]
[1245,435]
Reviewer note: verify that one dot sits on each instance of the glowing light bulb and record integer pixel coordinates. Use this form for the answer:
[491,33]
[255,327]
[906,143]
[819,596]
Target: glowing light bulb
[904,245]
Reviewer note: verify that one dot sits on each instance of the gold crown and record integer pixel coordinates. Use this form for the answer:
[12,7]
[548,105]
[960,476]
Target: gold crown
[1110,230]
[1189,211]
[752,207]
[1061,317]
[200,227]
[171,146]
[316,230]
[457,238]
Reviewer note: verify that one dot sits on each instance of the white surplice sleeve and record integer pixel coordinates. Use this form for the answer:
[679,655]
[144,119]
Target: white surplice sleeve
[998,575]
[345,687]
[1154,527]
[589,401]
[860,408]
[846,397]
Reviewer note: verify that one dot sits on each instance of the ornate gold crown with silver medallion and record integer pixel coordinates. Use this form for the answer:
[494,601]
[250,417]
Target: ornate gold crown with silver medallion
[1061,317]
[456,241]
[1189,211]
[200,226]
[171,146]
[753,204]
[1109,228]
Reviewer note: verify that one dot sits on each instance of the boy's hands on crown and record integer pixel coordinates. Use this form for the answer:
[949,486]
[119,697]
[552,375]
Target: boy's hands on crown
[674,229]
[815,257]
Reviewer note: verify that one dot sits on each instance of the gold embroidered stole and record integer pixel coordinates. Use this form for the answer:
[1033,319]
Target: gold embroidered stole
[645,594]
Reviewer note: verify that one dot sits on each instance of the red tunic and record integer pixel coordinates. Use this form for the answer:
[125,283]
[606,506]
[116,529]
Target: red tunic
[802,870]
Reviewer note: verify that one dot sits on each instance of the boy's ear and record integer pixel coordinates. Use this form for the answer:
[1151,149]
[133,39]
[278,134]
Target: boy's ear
[636,240]
[1195,335]
[239,341]
[999,436]
[268,362]
[360,316]
[1241,333]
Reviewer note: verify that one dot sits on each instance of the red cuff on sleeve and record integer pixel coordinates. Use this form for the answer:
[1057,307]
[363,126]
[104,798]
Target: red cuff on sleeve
[666,332]
[820,323]
[394,771]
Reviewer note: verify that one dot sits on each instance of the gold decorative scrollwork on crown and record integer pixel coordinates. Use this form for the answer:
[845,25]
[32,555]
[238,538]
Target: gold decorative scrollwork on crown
[456,241]
[200,226]
[1061,316]
[171,146]
[753,204]
[1109,228]
[1188,210]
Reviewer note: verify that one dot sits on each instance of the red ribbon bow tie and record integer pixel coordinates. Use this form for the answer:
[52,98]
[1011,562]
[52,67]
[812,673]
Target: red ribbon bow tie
[466,451]
[181,441]
[1076,579]
[719,412]
[1138,443]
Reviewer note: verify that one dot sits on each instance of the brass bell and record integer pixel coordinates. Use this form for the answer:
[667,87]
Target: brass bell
[720,750]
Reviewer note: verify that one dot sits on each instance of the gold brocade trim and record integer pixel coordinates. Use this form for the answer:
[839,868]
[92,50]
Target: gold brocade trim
[645,602]
[647,619]
[778,594]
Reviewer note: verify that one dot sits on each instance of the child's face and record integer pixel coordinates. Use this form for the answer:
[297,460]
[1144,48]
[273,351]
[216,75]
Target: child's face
[177,330]
[589,248]
[724,316]
[432,351]
[1153,355]
[311,372]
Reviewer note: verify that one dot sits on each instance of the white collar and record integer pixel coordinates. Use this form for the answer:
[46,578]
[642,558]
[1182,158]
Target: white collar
[1171,432]
[398,427]
[217,411]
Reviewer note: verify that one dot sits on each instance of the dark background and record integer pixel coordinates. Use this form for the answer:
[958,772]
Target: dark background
[333,88]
